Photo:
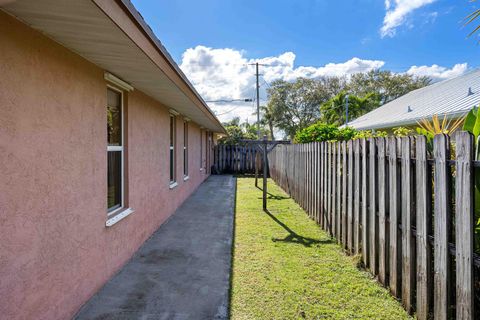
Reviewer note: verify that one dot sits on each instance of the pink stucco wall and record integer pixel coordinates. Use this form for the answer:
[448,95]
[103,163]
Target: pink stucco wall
[55,251]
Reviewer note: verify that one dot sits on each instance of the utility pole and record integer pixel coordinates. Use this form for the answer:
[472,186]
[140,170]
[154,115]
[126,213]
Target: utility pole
[258,102]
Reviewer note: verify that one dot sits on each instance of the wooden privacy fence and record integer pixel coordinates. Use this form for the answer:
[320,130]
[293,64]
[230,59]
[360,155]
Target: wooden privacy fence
[406,211]
[237,158]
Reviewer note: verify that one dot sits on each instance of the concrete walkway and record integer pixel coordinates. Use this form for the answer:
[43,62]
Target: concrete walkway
[183,270]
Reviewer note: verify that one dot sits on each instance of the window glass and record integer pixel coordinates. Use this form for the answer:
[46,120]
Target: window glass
[185,148]
[114,118]
[114,183]
[172,149]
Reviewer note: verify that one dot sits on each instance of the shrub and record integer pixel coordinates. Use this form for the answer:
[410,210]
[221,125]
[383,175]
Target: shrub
[402,132]
[365,134]
[317,132]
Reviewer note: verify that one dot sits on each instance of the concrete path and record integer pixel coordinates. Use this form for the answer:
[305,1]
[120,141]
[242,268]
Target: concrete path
[183,270]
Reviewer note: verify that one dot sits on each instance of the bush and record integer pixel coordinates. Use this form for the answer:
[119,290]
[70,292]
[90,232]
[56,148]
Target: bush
[402,132]
[365,134]
[328,132]
[317,132]
[324,132]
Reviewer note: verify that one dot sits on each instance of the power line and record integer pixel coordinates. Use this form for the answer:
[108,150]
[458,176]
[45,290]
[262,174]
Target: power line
[229,100]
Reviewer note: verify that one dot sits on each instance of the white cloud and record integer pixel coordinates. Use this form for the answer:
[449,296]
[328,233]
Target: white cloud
[223,74]
[397,12]
[437,72]
[227,74]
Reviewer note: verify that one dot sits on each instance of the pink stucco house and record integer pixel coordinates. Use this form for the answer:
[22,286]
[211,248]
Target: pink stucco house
[102,137]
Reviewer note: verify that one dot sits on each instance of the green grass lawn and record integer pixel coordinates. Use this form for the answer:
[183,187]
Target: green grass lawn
[286,267]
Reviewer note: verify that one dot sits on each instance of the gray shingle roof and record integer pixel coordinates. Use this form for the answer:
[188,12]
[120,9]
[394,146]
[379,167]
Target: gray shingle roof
[453,97]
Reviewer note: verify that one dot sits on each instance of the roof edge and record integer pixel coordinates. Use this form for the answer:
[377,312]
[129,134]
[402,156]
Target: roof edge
[138,19]
[449,115]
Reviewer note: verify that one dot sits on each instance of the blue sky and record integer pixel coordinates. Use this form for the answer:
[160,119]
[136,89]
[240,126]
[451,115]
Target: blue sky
[321,35]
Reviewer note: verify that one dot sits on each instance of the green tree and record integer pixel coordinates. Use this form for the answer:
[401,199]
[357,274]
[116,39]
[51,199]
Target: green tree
[237,131]
[473,17]
[295,105]
[334,110]
[386,84]
[268,118]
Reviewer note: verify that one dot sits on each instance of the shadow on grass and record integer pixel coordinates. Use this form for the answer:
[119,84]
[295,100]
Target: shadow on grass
[294,237]
[274,197]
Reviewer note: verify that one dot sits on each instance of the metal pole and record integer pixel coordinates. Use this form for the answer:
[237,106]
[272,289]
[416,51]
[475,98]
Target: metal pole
[346,111]
[265,168]
[258,103]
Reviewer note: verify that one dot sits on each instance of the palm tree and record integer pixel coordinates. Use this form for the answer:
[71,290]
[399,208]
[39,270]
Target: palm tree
[268,118]
[473,17]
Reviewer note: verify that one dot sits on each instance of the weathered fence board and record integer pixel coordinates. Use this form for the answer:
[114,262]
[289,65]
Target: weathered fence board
[395,202]
[382,212]
[464,225]
[334,189]
[365,198]
[344,195]
[356,196]
[339,191]
[423,201]
[329,187]
[442,216]
[372,226]
[350,197]
[408,265]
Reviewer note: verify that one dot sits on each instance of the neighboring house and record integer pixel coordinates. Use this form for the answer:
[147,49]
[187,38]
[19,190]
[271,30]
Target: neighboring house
[102,137]
[453,98]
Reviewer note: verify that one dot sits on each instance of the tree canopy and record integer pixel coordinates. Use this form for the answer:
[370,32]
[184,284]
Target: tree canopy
[386,84]
[334,110]
[293,106]
[239,131]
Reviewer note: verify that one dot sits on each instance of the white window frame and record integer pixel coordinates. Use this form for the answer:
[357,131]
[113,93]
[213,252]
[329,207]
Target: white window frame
[172,140]
[121,149]
[186,130]
[201,149]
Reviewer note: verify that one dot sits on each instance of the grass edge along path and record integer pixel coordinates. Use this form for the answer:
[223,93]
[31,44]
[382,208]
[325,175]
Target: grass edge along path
[286,267]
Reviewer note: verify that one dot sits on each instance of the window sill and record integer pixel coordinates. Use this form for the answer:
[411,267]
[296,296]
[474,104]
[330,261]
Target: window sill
[173,185]
[118,217]
[186,178]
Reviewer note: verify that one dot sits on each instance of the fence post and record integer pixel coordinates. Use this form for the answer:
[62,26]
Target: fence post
[464,225]
[441,150]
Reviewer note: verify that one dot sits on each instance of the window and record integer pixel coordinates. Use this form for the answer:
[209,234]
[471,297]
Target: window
[172,150]
[114,150]
[205,163]
[201,149]
[185,149]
